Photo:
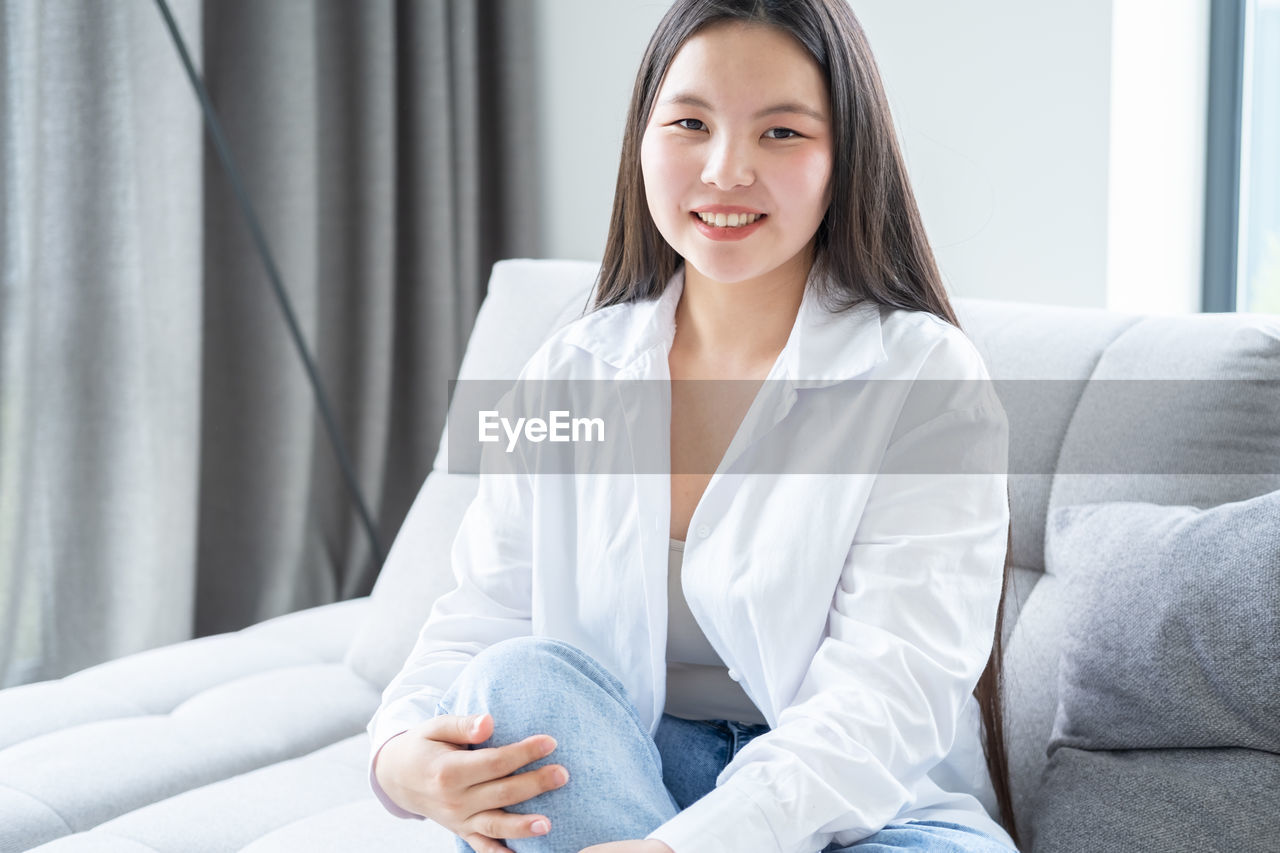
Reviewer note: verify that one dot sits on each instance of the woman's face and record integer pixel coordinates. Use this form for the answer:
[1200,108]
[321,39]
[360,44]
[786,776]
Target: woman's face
[740,125]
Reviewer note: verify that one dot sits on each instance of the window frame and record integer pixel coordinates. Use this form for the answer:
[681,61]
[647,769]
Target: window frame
[1225,124]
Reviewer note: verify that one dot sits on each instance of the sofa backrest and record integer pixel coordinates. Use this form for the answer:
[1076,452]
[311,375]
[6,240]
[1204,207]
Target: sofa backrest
[1046,361]
[1166,416]
[526,301]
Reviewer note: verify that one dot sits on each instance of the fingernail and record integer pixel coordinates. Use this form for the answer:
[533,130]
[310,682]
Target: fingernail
[540,826]
[475,725]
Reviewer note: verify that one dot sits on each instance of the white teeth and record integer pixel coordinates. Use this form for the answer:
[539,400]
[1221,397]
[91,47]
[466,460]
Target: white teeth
[731,220]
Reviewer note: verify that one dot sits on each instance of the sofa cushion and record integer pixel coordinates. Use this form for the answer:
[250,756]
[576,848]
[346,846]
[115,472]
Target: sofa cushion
[1221,423]
[1040,357]
[416,573]
[94,772]
[158,680]
[1189,403]
[1119,801]
[315,802]
[159,722]
[1169,690]
[362,825]
[527,301]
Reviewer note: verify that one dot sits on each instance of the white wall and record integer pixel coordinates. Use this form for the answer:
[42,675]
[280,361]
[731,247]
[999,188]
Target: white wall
[590,52]
[1005,114]
[1002,109]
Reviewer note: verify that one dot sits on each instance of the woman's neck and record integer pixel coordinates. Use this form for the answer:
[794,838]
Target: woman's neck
[734,329]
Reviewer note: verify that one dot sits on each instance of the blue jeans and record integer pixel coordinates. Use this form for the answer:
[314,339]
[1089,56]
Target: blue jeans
[623,784]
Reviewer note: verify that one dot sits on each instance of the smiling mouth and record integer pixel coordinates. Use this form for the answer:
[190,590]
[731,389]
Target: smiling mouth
[728,220]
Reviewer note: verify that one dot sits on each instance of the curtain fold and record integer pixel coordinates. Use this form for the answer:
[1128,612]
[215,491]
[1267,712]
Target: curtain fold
[164,472]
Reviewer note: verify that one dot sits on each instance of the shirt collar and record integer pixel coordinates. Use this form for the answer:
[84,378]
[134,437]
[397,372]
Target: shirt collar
[822,349]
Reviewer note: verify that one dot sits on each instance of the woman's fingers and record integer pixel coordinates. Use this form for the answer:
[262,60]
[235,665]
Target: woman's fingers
[484,844]
[495,823]
[477,766]
[517,788]
[463,789]
[481,782]
[455,729]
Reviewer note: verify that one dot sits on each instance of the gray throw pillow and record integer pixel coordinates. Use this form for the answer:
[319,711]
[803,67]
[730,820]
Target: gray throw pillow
[1167,734]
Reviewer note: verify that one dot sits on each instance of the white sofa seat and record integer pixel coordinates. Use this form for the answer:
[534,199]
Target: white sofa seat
[315,802]
[114,738]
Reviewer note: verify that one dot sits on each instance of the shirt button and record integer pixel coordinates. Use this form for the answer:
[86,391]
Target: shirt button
[703,531]
[733,673]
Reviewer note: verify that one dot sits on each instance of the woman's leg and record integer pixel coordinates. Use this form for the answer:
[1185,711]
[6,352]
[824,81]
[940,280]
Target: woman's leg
[931,836]
[695,751]
[537,685]
[693,754]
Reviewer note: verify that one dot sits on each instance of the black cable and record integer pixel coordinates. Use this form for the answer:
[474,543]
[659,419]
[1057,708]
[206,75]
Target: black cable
[282,298]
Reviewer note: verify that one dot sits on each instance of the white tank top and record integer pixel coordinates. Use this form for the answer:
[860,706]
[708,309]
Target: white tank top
[698,683]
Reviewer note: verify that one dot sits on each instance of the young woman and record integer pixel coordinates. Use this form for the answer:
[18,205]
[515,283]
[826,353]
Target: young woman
[811,659]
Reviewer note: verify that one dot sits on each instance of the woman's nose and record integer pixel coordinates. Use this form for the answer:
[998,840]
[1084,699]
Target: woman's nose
[729,165]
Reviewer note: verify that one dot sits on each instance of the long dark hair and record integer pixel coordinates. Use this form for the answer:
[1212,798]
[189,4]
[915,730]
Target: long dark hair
[870,246]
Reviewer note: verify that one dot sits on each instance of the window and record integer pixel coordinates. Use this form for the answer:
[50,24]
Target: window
[1242,221]
[1258,288]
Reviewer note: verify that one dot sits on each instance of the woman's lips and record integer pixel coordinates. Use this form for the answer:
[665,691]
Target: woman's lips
[728,233]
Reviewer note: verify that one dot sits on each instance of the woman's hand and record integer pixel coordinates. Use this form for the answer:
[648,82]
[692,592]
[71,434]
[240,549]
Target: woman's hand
[429,771]
[648,845]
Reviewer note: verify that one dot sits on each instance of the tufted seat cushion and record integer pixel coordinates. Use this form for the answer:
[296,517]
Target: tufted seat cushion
[116,737]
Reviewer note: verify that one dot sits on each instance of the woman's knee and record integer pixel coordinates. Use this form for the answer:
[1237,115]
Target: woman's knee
[534,661]
[526,672]
[519,653]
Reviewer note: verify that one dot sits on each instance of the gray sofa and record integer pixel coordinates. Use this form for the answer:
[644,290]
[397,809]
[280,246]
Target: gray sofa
[255,740]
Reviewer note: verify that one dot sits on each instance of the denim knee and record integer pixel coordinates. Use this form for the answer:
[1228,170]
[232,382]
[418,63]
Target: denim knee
[543,686]
[526,675]
[516,655]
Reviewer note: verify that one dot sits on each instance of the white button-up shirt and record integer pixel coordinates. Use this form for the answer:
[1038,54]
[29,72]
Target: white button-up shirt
[857,610]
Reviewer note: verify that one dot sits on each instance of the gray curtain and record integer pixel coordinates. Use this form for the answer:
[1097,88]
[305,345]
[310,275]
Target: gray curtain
[164,473]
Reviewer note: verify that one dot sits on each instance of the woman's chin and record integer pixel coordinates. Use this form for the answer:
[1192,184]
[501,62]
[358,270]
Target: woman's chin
[724,273]
[734,267]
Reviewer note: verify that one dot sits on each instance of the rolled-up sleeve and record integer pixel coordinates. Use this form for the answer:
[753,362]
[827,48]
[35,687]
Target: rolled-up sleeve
[910,630]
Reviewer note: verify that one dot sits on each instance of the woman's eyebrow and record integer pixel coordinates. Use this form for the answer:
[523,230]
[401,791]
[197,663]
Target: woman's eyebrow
[791,107]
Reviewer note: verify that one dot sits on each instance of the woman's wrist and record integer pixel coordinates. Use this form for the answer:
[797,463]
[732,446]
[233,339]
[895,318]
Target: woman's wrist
[386,770]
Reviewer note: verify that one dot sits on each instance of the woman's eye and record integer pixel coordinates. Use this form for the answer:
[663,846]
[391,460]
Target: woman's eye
[682,121]
[782,130]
